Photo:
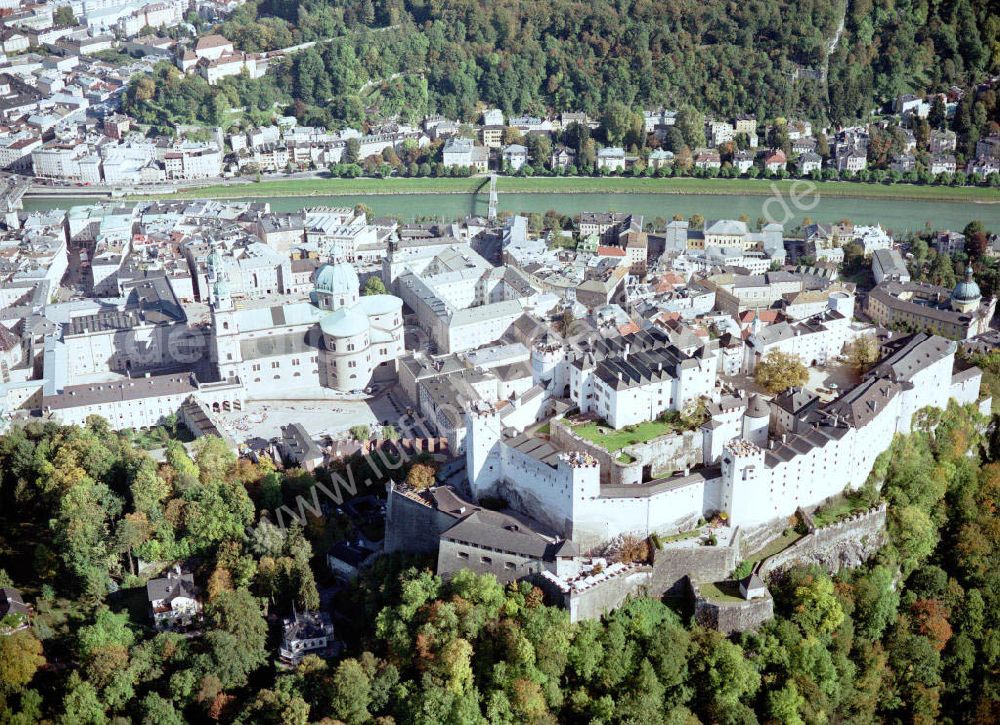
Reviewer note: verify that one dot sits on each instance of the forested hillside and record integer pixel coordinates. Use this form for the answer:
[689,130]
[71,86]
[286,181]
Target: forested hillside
[767,57]
[914,636]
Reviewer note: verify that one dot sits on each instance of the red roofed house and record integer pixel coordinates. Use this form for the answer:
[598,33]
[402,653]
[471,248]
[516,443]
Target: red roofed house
[669,282]
[603,251]
[775,161]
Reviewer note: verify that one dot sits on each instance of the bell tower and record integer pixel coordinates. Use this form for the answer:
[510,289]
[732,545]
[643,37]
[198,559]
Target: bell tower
[226,351]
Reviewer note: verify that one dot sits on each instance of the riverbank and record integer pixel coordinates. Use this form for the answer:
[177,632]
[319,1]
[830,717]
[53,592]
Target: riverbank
[588,185]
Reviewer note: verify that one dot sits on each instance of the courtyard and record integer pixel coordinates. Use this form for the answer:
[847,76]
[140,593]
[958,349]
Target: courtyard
[613,440]
[263,419]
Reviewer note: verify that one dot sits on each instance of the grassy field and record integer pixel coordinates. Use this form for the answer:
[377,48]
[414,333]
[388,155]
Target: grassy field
[725,591]
[588,185]
[778,545]
[613,440]
[682,536]
[841,507]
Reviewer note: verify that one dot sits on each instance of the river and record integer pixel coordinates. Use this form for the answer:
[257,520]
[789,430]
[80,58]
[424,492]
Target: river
[896,216]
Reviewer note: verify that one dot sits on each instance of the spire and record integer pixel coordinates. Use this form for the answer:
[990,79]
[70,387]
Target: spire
[218,277]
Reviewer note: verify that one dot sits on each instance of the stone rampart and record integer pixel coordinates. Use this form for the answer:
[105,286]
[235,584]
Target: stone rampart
[845,543]
[731,616]
[672,565]
[412,525]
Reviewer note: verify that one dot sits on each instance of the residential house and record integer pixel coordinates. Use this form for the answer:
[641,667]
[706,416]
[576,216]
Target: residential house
[298,448]
[943,142]
[775,161]
[707,159]
[747,124]
[903,163]
[348,559]
[743,161]
[809,162]
[193,162]
[610,227]
[948,242]
[909,105]
[305,633]
[988,147]
[941,164]
[657,122]
[984,166]
[493,136]
[173,599]
[230,64]
[531,124]
[464,152]
[13,41]
[514,156]
[852,159]
[493,117]
[719,132]
[15,615]
[799,130]
[660,158]
[804,144]
[562,157]
[611,158]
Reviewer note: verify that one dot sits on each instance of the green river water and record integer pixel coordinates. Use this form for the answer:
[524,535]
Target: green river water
[897,216]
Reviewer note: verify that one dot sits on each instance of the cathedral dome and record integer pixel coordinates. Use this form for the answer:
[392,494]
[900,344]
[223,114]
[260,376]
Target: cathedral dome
[344,322]
[967,290]
[337,280]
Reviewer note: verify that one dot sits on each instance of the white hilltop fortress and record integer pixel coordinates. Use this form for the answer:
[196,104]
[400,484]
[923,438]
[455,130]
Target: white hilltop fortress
[337,340]
[729,465]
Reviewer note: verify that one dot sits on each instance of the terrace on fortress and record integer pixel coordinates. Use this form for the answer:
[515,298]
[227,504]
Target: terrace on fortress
[661,485]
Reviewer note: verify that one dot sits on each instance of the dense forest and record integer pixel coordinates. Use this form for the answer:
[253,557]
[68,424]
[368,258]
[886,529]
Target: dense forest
[828,60]
[913,636]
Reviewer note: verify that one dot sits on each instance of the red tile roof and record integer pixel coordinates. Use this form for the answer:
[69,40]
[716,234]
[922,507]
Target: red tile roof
[610,252]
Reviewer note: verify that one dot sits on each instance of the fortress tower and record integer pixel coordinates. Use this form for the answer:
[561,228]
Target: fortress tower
[546,354]
[746,496]
[756,421]
[483,460]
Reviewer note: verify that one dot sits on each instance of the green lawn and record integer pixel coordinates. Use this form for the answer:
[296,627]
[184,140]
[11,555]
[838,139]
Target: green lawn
[839,508]
[588,185]
[682,536]
[779,544]
[330,187]
[613,440]
[725,591]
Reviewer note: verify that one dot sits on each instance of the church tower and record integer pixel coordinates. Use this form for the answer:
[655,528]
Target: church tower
[966,296]
[226,351]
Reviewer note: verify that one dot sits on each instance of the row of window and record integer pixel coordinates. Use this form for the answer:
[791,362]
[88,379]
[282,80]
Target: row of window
[276,364]
[464,555]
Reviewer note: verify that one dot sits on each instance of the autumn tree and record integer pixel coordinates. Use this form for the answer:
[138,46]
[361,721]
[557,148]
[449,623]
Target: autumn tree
[862,353]
[20,658]
[778,371]
[421,476]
